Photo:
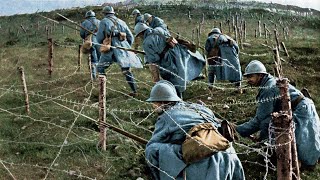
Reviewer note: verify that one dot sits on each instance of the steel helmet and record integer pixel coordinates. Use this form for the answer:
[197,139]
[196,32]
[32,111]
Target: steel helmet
[146,16]
[163,91]
[90,14]
[139,28]
[108,10]
[255,67]
[216,30]
[135,11]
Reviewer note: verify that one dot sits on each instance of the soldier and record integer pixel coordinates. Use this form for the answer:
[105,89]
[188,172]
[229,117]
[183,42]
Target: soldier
[223,58]
[138,17]
[307,125]
[91,23]
[115,32]
[175,62]
[154,21]
[164,149]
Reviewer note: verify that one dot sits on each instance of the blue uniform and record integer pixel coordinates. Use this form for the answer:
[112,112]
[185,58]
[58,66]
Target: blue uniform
[163,150]
[227,65]
[92,24]
[177,65]
[157,22]
[112,26]
[307,125]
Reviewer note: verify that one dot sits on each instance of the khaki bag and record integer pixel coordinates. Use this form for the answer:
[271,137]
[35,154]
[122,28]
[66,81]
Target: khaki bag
[86,46]
[202,141]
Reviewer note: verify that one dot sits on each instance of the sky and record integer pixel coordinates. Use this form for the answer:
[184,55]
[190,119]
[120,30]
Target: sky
[11,7]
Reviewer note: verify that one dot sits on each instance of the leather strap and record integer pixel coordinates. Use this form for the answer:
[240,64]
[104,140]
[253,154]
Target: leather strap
[295,102]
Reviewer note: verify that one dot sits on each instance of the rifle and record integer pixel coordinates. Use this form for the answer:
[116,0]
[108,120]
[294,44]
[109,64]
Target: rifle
[57,22]
[123,48]
[76,24]
[104,124]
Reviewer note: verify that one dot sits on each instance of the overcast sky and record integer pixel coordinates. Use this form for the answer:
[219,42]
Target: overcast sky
[10,7]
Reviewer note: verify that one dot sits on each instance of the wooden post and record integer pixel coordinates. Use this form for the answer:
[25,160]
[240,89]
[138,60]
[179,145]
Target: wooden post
[202,21]
[235,33]
[25,90]
[245,30]
[284,33]
[62,29]
[90,67]
[102,112]
[24,30]
[38,25]
[220,25]
[232,21]
[255,33]
[76,30]
[50,56]
[79,57]
[282,121]
[283,46]
[192,36]
[276,38]
[47,31]
[229,28]
[259,28]
[240,37]
[278,68]
[265,30]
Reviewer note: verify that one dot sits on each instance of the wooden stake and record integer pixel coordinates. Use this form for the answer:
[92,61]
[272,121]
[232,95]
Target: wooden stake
[102,112]
[25,90]
[245,30]
[50,56]
[282,122]
[235,29]
[220,25]
[24,30]
[283,46]
[79,57]
[276,38]
[259,28]
[265,30]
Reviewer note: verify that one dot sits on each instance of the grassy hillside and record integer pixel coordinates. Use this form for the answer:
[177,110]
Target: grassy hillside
[59,138]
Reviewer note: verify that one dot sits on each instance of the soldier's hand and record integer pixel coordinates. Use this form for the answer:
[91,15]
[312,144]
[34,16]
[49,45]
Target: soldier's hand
[172,41]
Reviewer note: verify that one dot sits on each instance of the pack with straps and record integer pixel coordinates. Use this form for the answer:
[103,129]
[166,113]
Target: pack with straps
[202,141]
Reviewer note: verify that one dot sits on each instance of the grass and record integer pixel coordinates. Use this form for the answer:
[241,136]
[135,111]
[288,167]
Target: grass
[30,144]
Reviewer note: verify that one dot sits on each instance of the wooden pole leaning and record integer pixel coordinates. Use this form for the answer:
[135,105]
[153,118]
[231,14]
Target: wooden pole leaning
[102,112]
[25,90]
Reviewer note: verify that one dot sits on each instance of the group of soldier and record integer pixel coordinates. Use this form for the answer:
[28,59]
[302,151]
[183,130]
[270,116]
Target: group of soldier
[177,62]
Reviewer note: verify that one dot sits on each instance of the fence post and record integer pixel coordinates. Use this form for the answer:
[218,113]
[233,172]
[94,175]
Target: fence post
[79,57]
[25,90]
[235,33]
[245,30]
[102,112]
[259,28]
[283,46]
[283,122]
[277,39]
[50,56]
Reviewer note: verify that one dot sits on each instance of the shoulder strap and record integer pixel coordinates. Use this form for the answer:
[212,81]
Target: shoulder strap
[96,29]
